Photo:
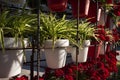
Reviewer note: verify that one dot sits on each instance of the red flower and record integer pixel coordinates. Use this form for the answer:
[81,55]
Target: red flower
[116,37]
[59,72]
[95,78]
[114,31]
[107,38]
[101,26]
[101,37]
[91,72]
[101,31]
[68,77]
[74,68]
[69,71]
[41,78]
[23,77]
[104,73]
[117,11]
[100,65]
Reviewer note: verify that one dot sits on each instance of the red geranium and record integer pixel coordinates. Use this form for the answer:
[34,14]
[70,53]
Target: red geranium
[59,72]
[69,77]
[117,12]
[98,69]
[117,9]
[103,34]
[23,77]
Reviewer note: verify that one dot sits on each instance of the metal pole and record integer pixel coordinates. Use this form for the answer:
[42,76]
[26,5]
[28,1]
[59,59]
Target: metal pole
[77,48]
[38,40]
[97,8]
[32,60]
[105,25]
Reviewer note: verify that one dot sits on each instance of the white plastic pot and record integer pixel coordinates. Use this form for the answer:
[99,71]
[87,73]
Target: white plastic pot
[56,58]
[82,56]
[11,60]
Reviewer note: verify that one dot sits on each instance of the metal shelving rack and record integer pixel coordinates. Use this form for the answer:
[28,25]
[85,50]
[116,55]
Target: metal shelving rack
[37,47]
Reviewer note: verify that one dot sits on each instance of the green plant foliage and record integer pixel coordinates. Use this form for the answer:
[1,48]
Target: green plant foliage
[86,31]
[17,26]
[53,28]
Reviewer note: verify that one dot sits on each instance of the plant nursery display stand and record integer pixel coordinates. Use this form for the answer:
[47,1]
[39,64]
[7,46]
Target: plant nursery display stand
[98,65]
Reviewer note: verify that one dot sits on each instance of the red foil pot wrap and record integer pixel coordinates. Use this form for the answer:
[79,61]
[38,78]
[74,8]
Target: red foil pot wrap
[83,8]
[57,5]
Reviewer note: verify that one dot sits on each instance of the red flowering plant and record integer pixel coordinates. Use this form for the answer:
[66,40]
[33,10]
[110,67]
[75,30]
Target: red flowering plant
[91,70]
[116,35]
[67,73]
[114,13]
[103,34]
[98,69]
[111,61]
[116,9]
[23,77]
[58,74]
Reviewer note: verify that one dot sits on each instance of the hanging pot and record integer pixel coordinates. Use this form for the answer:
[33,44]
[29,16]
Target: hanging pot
[109,22]
[83,53]
[103,48]
[94,14]
[83,8]
[103,19]
[57,5]
[56,58]
[109,1]
[94,50]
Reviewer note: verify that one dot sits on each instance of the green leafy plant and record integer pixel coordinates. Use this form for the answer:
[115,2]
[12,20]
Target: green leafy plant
[4,20]
[86,31]
[16,26]
[54,28]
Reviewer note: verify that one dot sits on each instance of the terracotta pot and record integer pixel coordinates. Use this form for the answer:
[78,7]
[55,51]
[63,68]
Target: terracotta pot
[94,50]
[93,11]
[83,8]
[57,5]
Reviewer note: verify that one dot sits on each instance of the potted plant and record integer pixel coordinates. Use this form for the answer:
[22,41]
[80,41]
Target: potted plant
[93,10]
[106,37]
[85,34]
[55,35]
[83,8]
[14,33]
